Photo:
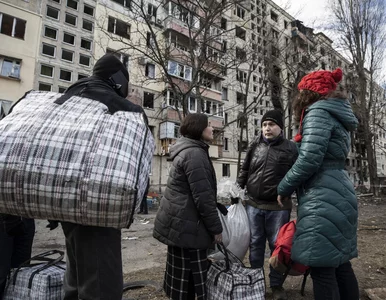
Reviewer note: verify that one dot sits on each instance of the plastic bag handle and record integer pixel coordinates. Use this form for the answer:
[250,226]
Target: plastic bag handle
[229,254]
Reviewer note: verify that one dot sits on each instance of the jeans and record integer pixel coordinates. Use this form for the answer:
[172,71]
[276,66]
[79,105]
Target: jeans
[335,283]
[265,225]
[94,263]
[15,249]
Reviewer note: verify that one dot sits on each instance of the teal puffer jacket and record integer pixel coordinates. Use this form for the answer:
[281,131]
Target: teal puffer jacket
[326,231]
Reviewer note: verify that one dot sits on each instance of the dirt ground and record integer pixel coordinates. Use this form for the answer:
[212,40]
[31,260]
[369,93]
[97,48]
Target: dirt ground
[144,257]
[370,266]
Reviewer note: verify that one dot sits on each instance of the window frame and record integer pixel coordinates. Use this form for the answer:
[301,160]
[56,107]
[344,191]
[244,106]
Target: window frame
[177,70]
[53,8]
[49,45]
[69,34]
[15,62]
[14,29]
[45,83]
[68,51]
[147,72]
[76,19]
[47,76]
[115,25]
[64,70]
[227,169]
[87,21]
[87,56]
[52,28]
[89,6]
[87,40]
[153,100]
[77,5]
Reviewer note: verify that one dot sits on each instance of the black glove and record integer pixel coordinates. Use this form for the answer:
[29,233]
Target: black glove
[234,200]
[222,209]
[52,224]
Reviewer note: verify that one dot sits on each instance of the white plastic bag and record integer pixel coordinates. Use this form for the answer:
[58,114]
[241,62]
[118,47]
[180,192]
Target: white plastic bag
[227,188]
[239,227]
[226,237]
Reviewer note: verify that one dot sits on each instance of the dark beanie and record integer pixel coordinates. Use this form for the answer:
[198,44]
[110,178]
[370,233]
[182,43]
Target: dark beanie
[108,65]
[274,116]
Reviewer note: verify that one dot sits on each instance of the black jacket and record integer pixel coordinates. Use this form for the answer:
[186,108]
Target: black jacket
[187,216]
[265,165]
[97,89]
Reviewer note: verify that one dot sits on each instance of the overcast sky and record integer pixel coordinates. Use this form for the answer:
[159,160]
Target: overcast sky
[315,14]
[310,12]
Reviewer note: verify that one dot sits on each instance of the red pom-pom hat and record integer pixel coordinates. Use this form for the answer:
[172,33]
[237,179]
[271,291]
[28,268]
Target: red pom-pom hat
[321,82]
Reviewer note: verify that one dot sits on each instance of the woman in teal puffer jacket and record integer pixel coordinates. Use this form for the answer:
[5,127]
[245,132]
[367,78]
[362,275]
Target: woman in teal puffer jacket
[326,233]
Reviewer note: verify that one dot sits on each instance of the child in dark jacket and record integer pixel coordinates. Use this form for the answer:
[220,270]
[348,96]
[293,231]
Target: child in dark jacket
[267,161]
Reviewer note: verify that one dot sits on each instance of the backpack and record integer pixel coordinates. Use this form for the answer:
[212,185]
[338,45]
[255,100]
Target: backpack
[281,257]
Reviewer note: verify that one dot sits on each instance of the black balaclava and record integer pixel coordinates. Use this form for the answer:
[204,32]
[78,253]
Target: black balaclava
[111,69]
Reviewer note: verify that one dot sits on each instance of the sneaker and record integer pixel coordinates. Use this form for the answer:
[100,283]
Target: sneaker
[278,293]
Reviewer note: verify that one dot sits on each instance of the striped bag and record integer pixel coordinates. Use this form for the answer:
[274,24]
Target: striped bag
[37,281]
[73,162]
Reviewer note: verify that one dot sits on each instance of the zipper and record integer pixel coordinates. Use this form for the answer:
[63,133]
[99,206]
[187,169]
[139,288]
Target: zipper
[265,165]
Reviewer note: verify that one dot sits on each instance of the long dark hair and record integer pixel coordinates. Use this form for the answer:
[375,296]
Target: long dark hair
[306,97]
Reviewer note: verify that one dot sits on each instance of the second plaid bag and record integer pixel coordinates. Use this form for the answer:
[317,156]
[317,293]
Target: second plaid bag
[227,280]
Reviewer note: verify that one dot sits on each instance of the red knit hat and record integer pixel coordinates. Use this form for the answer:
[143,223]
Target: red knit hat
[321,82]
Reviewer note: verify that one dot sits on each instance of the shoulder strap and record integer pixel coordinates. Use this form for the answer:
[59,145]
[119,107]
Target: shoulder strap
[17,102]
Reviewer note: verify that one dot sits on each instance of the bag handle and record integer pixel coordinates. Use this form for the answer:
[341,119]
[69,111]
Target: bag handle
[224,251]
[229,255]
[40,257]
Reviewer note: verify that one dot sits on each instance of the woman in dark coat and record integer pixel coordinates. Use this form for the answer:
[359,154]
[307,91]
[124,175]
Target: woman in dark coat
[187,220]
[326,232]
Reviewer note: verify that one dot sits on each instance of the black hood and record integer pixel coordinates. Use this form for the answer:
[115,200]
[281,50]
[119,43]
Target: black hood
[110,69]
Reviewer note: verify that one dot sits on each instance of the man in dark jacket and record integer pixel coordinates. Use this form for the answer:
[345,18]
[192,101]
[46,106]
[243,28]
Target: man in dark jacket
[94,259]
[267,161]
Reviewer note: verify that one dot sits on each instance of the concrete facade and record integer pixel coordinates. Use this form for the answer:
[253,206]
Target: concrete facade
[64,38]
[66,43]
[20,30]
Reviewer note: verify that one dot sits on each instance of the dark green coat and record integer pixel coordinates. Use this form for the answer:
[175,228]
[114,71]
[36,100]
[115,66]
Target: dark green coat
[326,233]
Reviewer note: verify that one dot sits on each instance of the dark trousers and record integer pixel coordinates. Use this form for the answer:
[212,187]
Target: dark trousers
[335,283]
[94,263]
[265,225]
[143,206]
[15,249]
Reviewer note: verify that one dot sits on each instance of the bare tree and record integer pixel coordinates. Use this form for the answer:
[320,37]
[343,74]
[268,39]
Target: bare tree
[191,62]
[360,24]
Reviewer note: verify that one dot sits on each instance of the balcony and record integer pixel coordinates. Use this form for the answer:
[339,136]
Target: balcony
[210,94]
[176,25]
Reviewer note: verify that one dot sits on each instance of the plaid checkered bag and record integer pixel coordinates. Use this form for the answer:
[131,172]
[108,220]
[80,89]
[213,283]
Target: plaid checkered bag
[42,281]
[74,161]
[227,280]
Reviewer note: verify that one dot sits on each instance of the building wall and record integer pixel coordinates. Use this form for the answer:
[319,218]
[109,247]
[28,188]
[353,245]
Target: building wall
[77,32]
[268,18]
[22,50]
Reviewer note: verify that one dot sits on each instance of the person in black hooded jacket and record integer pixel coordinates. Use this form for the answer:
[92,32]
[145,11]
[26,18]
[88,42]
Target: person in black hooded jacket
[94,259]
[187,220]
